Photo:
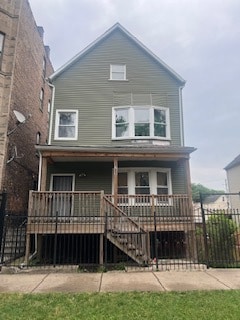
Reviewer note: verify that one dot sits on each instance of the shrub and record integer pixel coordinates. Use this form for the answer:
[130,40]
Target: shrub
[221,240]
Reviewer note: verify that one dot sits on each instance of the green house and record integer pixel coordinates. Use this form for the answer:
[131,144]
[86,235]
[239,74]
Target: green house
[115,168]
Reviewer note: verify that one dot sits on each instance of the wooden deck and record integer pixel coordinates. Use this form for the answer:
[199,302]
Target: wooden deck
[125,221]
[94,212]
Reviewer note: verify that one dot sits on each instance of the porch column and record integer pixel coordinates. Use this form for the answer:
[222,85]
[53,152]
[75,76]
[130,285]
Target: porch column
[115,180]
[43,175]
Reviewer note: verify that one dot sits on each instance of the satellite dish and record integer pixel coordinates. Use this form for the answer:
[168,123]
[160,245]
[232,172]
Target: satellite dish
[20,120]
[20,117]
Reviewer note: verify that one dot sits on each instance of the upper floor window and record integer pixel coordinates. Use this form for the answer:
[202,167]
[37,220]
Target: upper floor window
[66,125]
[41,97]
[2,36]
[44,66]
[117,72]
[38,137]
[49,109]
[141,122]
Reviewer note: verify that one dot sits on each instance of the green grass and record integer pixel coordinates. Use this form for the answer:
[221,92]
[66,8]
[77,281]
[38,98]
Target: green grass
[135,305]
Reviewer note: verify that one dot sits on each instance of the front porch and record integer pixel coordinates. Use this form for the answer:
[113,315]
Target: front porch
[146,191]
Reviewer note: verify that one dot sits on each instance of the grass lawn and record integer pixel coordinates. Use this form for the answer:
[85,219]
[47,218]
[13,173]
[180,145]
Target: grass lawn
[135,305]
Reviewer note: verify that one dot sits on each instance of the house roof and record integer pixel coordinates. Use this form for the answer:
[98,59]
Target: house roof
[233,163]
[115,27]
[212,198]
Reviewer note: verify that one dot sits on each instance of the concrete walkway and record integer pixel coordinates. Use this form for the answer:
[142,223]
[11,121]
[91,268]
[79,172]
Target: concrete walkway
[119,281]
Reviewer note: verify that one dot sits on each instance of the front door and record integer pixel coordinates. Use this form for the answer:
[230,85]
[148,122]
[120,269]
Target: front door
[63,201]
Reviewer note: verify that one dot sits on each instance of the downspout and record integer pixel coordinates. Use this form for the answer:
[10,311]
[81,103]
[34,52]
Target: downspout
[181,116]
[40,161]
[35,249]
[39,189]
[51,113]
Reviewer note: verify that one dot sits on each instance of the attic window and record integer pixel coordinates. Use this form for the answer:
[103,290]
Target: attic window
[118,72]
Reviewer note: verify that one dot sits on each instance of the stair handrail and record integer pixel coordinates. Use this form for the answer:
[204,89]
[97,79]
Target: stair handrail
[123,213]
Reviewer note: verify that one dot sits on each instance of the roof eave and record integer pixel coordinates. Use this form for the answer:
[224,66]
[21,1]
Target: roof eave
[131,149]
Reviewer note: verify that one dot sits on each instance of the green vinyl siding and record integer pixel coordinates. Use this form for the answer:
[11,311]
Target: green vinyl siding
[88,176]
[95,176]
[86,86]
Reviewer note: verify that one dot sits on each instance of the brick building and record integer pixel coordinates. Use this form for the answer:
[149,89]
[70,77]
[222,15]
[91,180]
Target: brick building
[24,65]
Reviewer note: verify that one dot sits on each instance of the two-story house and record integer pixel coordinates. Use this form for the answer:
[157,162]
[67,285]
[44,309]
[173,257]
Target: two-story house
[115,171]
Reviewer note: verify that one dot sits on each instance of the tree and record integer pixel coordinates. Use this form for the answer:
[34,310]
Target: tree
[199,188]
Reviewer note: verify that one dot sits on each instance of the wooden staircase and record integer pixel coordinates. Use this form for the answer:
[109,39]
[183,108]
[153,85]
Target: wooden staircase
[125,233]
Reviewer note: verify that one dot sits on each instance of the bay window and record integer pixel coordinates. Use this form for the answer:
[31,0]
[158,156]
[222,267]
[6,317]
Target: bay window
[135,122]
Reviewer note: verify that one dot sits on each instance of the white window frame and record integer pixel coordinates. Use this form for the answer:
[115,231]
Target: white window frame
[152,179]
[57,118]
[131,122]
[122,72]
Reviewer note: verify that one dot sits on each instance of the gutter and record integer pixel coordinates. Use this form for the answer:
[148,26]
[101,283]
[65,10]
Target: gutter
[181,116]
[51,112]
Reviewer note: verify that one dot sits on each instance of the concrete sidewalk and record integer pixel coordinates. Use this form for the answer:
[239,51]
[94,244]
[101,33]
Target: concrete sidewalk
[118,281]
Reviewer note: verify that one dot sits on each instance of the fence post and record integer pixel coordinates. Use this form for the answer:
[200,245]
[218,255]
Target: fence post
[156,240]
[55,242]
[2,218]
[204,231]
[105,239]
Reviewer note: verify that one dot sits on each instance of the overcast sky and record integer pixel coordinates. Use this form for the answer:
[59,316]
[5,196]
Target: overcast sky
[199,39]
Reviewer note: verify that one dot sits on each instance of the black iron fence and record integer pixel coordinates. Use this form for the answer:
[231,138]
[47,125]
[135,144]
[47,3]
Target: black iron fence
[13,239]
[3,199]
[156,243]
[161,240]
[218,230]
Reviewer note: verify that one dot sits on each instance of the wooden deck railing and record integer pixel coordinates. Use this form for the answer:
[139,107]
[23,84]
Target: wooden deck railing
[82,206]
[141,206]
[65,205]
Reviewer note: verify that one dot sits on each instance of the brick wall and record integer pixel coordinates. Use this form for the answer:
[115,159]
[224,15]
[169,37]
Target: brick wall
[23,59]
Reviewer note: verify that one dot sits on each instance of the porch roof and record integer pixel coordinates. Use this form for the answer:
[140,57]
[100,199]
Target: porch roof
[84,153]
